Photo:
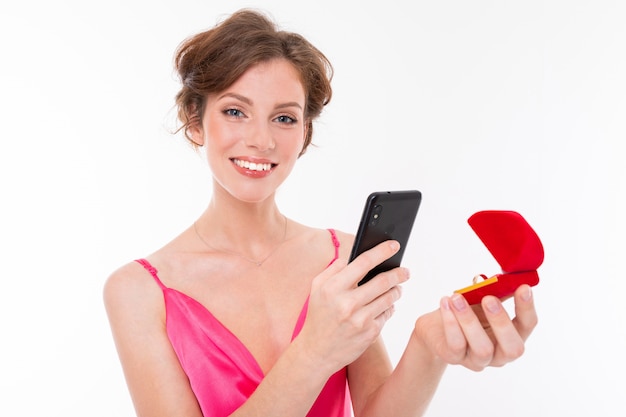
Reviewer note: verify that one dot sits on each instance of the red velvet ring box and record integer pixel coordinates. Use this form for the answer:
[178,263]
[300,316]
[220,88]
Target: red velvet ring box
[515,246]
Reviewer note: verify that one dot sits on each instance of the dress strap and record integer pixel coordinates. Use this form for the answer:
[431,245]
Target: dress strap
[152,270]
[336,243]
[305,308]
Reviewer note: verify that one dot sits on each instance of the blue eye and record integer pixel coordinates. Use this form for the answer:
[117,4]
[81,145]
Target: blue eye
[233,112]
[286,119]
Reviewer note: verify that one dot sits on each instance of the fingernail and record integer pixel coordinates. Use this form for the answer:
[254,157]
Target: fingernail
[407,273]
[394,245]
[492,305]
[527,294]
[445,304]
[459,302]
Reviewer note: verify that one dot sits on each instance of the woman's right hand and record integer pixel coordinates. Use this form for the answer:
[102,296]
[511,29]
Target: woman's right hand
[344,319]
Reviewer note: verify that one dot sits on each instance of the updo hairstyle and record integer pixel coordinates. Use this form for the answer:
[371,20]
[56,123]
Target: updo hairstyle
[211,61]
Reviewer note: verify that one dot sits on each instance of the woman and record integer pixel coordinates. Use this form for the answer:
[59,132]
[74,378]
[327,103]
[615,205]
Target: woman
[248,313]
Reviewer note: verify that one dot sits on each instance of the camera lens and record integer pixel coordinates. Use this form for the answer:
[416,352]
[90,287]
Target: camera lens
[376,214]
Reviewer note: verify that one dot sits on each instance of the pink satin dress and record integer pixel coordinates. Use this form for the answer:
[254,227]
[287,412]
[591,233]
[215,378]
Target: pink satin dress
[221,370]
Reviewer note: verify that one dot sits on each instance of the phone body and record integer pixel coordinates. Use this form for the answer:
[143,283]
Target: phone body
[388,215]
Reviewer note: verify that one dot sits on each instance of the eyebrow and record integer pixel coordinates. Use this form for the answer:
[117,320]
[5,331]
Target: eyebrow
[249,102]
[289,104]
[237,96]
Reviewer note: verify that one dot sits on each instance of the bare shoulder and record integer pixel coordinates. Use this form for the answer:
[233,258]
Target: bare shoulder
[136,312]
[321,239]
[130,289]
[345,243]
[127,274]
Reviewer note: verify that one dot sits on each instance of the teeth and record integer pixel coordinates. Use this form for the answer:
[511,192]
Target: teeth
[252,166]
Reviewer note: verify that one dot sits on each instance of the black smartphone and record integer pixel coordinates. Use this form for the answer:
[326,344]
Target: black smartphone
[388,215]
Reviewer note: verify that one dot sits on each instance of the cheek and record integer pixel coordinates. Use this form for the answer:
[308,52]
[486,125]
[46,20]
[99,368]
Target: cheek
[216,142]
[219,135]
[292,141]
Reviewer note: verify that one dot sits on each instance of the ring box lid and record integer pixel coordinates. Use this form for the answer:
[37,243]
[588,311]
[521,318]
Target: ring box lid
[510,239]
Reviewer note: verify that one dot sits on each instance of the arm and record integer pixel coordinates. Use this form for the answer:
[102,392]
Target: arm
[475,337]
[157,384]
[404,391]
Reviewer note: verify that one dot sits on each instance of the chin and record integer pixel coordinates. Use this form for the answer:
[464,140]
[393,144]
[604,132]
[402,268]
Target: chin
[251,194]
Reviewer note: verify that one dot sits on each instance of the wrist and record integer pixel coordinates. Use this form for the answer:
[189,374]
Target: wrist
[419,342]
[303,354]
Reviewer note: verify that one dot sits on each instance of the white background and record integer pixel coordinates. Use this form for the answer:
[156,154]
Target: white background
[479,104]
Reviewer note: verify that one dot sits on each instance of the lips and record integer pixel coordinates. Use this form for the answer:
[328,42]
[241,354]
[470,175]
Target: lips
[257,168]
[253,166]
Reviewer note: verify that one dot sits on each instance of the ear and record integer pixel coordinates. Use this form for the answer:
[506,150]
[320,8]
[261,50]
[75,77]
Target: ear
[195,133]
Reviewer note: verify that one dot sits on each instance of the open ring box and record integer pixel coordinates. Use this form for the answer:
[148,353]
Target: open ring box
[515,246]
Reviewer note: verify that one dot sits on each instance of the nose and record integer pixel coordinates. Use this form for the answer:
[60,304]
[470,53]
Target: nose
[260,137]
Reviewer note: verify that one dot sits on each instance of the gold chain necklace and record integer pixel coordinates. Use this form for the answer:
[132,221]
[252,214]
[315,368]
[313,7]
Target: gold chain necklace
[253,261]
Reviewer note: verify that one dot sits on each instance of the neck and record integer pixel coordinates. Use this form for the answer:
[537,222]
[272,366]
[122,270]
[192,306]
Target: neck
[251,230]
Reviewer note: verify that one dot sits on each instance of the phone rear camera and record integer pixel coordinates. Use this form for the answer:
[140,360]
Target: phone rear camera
[376,211]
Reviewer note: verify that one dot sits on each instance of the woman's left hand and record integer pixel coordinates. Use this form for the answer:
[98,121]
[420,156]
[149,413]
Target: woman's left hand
[478,336]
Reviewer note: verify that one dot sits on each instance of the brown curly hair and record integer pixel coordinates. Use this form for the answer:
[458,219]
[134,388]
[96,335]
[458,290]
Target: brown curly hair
[211,61]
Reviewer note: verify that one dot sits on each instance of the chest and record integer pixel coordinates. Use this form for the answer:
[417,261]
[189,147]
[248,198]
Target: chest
[260,306]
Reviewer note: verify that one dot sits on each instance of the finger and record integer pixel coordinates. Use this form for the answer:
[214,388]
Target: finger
[383,317]
[509,343]
[381,284]
[455,339]
[383,302]
[370,259]
[525,319]
[480,347]
[328,273]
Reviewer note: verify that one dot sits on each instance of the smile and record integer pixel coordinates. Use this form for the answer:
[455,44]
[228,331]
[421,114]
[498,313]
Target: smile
[253,166]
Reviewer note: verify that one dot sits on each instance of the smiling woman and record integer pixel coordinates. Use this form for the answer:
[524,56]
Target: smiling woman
[247,312]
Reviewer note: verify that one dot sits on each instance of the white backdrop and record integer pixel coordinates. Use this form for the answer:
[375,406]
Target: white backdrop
[481,105]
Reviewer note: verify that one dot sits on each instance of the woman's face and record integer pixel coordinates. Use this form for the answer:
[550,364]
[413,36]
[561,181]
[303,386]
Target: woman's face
[254,131]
